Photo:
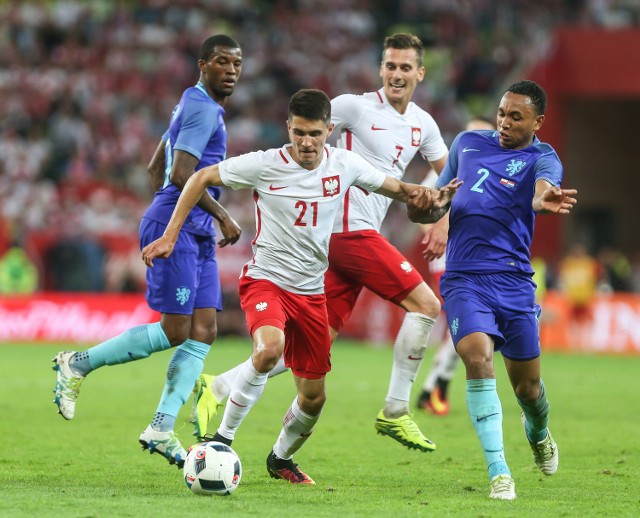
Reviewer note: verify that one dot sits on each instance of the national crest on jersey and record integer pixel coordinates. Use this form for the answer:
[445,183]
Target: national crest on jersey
[416,137]
[515,166]
[331,185]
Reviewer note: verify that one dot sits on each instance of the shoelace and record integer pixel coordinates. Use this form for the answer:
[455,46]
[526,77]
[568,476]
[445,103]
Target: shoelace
[502,485]
[72,388]
[545,452]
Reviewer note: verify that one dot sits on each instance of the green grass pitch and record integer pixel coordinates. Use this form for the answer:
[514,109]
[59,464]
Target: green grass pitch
[93,466]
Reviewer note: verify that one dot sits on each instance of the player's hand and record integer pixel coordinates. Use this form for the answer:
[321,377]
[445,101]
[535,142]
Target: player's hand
[434,241]
[230,230]
[557,200]
[162,248]
[446,193]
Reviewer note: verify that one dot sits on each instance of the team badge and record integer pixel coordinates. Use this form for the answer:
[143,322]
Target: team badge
[331,186]
[182,295]
[515,166]
[454,326]
[406,266]
[416,137]
[261,306]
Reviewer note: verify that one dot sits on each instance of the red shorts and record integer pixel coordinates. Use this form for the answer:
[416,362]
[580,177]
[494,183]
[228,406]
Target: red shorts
[364,259]
[303,318]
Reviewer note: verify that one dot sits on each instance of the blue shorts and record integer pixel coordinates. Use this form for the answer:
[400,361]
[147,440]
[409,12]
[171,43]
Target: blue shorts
[501,305]
[186,280]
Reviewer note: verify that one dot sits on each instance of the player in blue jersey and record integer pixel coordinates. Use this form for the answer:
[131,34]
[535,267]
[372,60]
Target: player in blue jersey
[487,287]
[184,288]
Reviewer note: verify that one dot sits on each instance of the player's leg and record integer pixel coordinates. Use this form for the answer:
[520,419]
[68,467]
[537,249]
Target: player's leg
[523,368]
[297,426]
[358,259]
[268,344]
[394,419]
[211,391]
[308,353]
[184,368]
[72,367]
[140,341]
[194,286]
[262,302]
[474,329]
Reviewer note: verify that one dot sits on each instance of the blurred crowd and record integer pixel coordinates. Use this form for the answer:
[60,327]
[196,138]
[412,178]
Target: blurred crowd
[87,89]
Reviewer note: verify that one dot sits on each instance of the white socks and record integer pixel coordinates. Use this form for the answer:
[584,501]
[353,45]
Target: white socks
[409,348]
[245,392]
[297,426]
[222,383]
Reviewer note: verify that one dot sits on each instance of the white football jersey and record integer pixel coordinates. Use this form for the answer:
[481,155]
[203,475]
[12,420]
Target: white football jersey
[370,126]
[295,210]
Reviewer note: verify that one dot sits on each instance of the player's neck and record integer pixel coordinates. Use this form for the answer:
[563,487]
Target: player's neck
[220,99]
[398,105]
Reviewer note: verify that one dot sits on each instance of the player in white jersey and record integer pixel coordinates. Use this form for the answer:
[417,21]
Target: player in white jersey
[386,129]
[297,190]
[434,389]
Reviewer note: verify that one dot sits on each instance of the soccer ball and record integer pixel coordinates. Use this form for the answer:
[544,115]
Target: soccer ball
[212,468]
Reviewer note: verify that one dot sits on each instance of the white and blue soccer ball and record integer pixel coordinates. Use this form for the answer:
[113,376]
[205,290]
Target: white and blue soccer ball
[212,468]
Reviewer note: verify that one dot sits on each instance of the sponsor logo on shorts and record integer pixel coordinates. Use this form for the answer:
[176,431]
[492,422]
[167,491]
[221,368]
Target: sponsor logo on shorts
[261,306]
[406,266]
[454,326]
[182,295]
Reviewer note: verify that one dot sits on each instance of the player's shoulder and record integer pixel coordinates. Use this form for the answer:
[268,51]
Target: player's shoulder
[350,101]
[543,148]
[338,154]
[485,138]
[197,97]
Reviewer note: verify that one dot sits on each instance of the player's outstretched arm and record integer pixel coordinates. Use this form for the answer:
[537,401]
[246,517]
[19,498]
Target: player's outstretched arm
[183,166]
[429,207]
[549,199]
[191,193]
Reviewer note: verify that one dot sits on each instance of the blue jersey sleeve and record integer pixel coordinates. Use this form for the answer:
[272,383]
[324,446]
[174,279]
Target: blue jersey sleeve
[450,170]
[548,167]
[199,121]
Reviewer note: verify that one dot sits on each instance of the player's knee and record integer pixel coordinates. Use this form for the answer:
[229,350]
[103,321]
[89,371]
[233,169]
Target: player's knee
[528,391]
[422,300]
[204,333]
[477,364]
[176,334]
[266,356]
[312,403]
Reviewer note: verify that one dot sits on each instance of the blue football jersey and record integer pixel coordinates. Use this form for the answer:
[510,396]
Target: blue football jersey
[491,220]
[196,127]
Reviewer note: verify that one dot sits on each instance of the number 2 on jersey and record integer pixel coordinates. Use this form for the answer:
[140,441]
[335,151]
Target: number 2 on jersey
[303,210]
[476,187]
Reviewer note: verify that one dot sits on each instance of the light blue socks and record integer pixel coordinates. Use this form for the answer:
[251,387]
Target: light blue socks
[485,411]
[134,344]
[184,368]
[537,416]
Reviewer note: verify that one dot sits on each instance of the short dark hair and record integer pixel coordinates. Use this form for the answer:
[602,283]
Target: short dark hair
[219,40]
[310,104]
[532,90]
[404,41]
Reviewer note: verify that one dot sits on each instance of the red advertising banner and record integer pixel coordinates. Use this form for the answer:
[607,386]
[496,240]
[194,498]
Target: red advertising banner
[611,324]
[71,317]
